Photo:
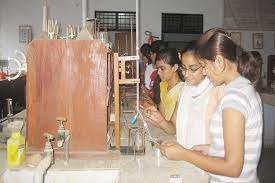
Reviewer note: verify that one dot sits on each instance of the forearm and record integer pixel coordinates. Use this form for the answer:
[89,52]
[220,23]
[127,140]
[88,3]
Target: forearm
[168,127]
[215,165]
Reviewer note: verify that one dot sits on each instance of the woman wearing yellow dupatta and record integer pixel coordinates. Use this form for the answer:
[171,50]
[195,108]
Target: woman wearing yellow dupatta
[169,98]
[168,65]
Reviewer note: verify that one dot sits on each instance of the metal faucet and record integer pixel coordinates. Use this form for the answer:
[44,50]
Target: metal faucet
[9,109]
[48,149]
[63,137]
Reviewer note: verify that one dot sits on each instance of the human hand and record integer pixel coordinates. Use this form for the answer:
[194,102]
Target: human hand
[146,103]
[144,91]
[203,148]
[154,115]
[172,150]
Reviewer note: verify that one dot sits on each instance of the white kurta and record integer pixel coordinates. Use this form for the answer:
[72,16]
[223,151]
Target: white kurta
[148,71]
[190,124]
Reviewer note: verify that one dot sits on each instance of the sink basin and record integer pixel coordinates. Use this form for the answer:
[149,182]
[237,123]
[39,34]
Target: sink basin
[83,176]
[84,171]
[62,176]
[84,168]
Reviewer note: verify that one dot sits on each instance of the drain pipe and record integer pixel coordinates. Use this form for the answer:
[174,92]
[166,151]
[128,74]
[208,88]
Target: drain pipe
[41,169]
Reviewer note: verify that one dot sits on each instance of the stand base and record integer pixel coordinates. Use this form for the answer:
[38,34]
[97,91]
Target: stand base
[128,150]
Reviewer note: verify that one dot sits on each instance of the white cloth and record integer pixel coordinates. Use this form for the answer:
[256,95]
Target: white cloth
[148,71]
[190,123]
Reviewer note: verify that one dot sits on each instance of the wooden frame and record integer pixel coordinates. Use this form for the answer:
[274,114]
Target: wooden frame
[236,37]
[120,79]
[25,33]
[258,40]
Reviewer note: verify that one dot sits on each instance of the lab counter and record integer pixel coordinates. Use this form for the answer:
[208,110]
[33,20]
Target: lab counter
[114,167]
[125,169]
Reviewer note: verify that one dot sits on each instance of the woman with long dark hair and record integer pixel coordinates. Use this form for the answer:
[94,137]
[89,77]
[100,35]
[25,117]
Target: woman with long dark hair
[236,125]
[168,66]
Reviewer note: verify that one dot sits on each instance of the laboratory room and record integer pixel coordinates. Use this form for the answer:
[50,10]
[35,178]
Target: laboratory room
[137,91]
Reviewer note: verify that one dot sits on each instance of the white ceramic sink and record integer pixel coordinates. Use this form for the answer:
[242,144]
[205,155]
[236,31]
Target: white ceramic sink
[84,176]
[78,171]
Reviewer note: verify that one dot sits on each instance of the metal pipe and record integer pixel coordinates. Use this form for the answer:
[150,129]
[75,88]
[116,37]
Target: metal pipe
[41,169]
[45,17]
[84,12]
[137,27]
[132,49]
[66,147]
[137,50]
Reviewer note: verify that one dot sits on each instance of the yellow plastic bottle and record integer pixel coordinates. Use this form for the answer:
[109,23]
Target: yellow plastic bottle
[16,150]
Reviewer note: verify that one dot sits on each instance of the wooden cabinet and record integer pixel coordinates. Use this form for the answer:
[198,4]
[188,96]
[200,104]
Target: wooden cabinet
[67,78]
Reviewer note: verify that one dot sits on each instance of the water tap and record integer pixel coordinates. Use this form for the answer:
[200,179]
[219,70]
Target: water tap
[48,149]
[61,131]
[63,137]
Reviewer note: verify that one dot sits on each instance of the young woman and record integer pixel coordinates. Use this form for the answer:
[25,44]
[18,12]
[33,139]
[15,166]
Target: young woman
[197,102]
[155,79]
[152,90]
[168,64]
[236,125]
[146,58]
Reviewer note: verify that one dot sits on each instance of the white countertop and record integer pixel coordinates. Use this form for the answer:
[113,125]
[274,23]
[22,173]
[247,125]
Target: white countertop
[146,168]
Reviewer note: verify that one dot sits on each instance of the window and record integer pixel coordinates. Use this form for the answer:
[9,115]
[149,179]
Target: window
[182,23]
[116,21]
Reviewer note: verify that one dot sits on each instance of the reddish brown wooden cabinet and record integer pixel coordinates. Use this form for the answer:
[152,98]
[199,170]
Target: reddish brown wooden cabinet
[67,79]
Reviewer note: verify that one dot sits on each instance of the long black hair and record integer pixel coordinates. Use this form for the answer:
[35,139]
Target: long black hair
[156,46]
[145,51]
[169,56]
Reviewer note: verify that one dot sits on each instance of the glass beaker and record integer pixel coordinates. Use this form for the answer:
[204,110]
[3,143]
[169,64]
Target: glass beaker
[137,139]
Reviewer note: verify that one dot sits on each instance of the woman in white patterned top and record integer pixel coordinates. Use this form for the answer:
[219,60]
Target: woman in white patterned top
[236,125]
